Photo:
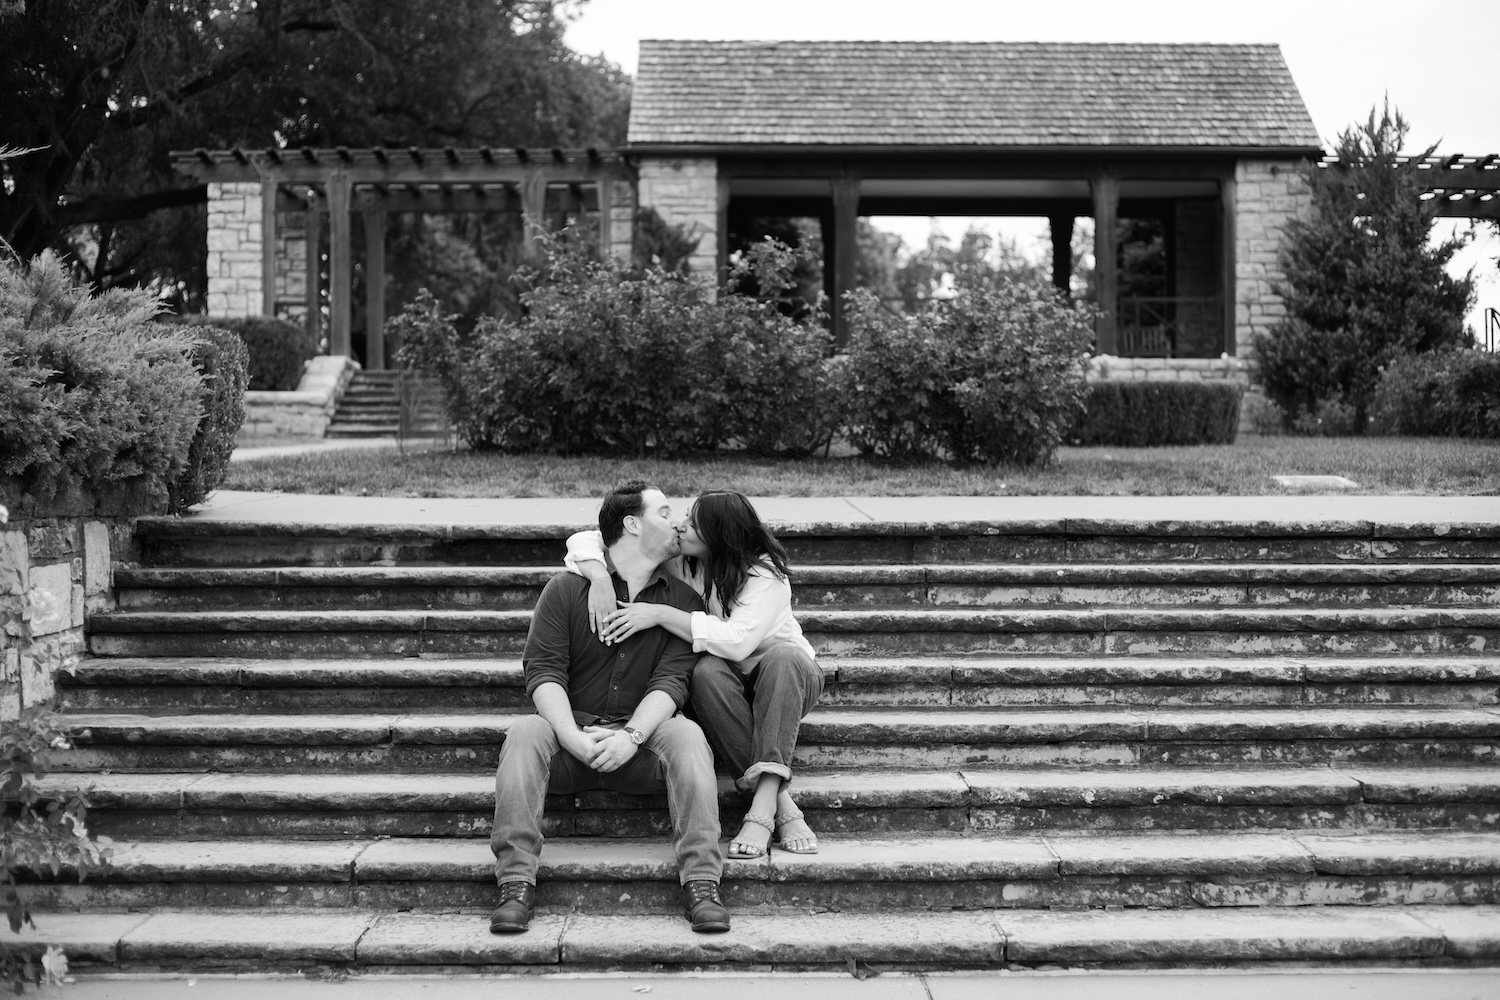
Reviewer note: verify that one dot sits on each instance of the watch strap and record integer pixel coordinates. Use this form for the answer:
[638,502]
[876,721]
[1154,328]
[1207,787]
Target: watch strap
[636,736]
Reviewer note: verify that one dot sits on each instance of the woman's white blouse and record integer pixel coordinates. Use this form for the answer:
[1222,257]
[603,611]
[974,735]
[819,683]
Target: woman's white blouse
[761,618]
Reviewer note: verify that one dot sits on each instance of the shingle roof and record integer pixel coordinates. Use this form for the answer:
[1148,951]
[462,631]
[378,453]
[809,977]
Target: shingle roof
[1005,94]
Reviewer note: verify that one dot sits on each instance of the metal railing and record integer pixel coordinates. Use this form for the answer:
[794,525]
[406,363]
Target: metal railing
[1166,327]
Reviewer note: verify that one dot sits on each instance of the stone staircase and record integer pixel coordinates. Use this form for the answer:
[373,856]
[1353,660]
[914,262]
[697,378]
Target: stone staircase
[1086,744]
[371,406]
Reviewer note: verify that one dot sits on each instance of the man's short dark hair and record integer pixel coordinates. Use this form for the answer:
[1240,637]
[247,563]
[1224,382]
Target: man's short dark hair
[619,503]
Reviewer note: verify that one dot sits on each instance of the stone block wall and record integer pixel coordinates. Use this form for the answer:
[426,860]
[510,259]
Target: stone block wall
[54,571]
[305,411]
[621,219]
[234,249]
[685,192]
[1267,195]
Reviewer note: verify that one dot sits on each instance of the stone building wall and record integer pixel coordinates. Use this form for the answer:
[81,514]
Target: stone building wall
[685,192]
[1267,195]
[53,572]
[234,249]
[621,219]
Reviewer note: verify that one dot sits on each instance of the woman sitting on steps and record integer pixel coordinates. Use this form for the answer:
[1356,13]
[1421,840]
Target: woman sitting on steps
[752,705]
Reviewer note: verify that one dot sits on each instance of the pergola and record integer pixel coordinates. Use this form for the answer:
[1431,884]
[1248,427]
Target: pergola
[342,182]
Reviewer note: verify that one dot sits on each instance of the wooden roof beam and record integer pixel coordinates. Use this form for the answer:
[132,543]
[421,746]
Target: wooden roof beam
[451,154]
[416,155]
[344,155]
[381,156]
[522,156]
[1452,161]
[310,155]
[239,156]
[204,156]
[486,154]
[273,154]
[558,156]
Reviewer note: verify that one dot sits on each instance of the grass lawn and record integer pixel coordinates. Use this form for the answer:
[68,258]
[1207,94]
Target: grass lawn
[1433,466]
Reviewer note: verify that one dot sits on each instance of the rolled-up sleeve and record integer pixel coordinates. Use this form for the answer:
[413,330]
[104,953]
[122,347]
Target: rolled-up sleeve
[762,601]
[548,642]
[673,670]
[584,546]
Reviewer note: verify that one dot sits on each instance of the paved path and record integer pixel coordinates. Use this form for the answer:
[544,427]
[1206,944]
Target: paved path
[1298,984]
[231,505]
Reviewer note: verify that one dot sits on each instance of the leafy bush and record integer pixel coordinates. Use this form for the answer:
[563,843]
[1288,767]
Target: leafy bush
[277,351]
[94,395]
[1363,286]
[38,834]
[612,360]
[994,375]
[1447,393]
[221,359]
[1147,414]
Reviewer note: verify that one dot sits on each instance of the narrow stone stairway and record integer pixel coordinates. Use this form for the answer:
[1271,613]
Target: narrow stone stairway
[1110,744]
[372,406]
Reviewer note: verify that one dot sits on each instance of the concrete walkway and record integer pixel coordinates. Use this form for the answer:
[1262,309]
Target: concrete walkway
[1230,984]
[231,505]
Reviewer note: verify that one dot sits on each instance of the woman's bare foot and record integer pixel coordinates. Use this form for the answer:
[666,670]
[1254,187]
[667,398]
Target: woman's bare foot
[792,830]
[753,840]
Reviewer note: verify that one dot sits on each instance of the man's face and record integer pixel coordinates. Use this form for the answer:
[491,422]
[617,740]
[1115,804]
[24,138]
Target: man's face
[658,538]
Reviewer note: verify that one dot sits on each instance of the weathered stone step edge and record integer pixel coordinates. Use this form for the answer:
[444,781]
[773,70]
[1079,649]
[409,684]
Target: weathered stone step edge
[822,789]
[842,621]
[252,940]
[1057,574]
[1043,857]
[839,725]
[956,671]
[189,527]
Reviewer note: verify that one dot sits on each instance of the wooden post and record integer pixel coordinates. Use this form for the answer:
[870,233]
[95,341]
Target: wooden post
[606,246]
[375,290]
[1106,191]
[721,221]
[314,290]
[1227,270]
[533,214]
[1062,252]
[845,252]
[268,188]
[340,265]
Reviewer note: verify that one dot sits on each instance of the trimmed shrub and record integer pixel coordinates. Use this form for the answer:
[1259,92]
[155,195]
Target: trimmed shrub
[1449,393]
[1147,414]
[220,358]
[277,350]
[994,375]
[95,397]
[612,360]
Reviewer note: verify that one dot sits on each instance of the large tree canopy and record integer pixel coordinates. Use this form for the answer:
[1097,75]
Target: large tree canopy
[102,90]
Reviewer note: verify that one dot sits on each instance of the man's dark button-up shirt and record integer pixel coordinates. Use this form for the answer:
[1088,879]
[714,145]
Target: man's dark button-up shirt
[606,683]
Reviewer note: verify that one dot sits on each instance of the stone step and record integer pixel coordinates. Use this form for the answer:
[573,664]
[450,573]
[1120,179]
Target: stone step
[189,542]
[198,805]
[836,631]
[998,585]
[338,940]
[837,737]
[168,684]
[1176,869]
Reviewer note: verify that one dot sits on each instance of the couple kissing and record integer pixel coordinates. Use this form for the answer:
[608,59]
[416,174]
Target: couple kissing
[654,615]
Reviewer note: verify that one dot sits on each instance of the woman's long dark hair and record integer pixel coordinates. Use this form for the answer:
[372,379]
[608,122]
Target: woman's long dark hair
[736,541]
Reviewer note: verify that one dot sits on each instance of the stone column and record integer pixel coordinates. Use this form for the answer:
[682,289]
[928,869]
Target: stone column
[1267,195]
[685,192]
[235,264]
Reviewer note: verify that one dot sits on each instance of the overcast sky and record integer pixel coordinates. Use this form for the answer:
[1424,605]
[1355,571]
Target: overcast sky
[1439,60]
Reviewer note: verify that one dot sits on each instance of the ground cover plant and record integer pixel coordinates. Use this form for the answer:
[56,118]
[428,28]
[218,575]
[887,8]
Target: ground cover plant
[1437,466]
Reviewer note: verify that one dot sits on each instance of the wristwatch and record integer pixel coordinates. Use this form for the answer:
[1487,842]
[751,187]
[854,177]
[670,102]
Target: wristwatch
[636,736]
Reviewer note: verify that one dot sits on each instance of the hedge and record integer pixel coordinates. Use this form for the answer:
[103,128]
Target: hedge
[102,407]
[277,350]
[1439,393]
[1146,414]
[221,360]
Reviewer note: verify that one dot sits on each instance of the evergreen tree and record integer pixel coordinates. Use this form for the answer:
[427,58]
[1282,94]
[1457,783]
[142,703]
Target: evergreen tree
[1362,285]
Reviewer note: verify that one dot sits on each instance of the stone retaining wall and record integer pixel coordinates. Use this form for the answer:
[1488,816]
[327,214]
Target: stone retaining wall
[305,411]
[53,572]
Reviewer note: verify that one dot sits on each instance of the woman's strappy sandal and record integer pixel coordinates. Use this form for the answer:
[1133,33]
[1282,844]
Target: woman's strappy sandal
[809,842]
[759,819]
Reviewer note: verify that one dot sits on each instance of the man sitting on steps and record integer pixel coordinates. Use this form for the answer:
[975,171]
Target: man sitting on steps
[607,717]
